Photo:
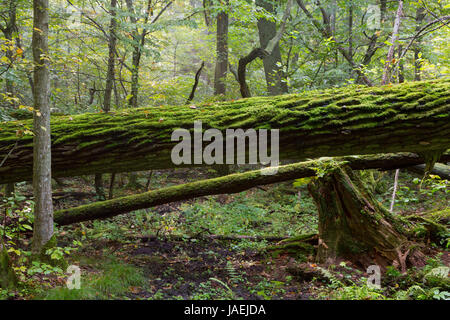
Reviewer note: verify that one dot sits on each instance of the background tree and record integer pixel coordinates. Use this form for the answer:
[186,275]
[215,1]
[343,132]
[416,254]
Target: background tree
[42,184]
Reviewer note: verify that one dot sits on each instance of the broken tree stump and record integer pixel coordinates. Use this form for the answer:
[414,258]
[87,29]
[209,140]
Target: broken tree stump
[354,226]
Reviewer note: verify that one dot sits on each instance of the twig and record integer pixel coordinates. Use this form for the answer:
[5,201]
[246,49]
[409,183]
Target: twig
[9,153]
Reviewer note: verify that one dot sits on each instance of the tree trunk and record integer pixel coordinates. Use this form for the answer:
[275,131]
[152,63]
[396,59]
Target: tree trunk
[222,52]
[10,188]
[242,70]
[440,169]
[196,81]
[412,117]
[395,34]
[138,45]
[8,279]
[111,58]
[228,184]
[353,225]
[99,190]
[42,182]
[8,32]
[275,77]
[420,15]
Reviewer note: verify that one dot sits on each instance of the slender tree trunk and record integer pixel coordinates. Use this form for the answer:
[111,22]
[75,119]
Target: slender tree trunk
[10,189]
[196,81]
[99,190]
[420,15]
[333,31]
[242,70]
[275,77]
[111,186]
[261,53]
[111,59]
[222,52]
[389,60]
[43,209]
[401,66]
[133,102]
[394,192]
[350,29]
[138,44]
[109,85]
[8,32]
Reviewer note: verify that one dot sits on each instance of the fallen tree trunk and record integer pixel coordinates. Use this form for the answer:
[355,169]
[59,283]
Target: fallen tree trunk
[410,117]
[228,184]
[210,237]
[353,225]
[441,170]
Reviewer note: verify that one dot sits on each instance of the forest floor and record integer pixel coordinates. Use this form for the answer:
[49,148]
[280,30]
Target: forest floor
[169,252]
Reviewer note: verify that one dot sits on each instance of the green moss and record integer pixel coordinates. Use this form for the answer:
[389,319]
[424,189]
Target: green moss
[44,257]
[311,118]
[8,279]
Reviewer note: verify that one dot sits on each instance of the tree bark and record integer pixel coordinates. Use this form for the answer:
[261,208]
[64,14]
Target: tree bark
[267,29]
[261,53]
[111,58]
[420,15]
[8,31]
[222,52]
[226,185]
[353,225]
[389,60]
[42,186]
[8,278]
[99,189]
[196,81]
[411,117]
[242,70]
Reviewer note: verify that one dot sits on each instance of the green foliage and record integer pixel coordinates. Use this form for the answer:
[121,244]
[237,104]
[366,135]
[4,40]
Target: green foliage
[357,292]
[114,282]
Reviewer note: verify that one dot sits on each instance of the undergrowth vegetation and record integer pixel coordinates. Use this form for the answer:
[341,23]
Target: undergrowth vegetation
[175,251]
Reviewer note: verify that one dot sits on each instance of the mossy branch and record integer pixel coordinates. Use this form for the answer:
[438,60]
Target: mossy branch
[226,185]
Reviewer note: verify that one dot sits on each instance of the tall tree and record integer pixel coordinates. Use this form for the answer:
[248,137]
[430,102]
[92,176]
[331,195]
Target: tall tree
[267,28]
[420,15]
[8,29]
[221,50]
[109,84]
[139,43]
[111,58]
[9,14]
[43,210]
[261,53]
[390,56]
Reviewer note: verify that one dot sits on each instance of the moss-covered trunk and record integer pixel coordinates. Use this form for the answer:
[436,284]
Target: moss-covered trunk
[354,225]
[411,117]
[8,279]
